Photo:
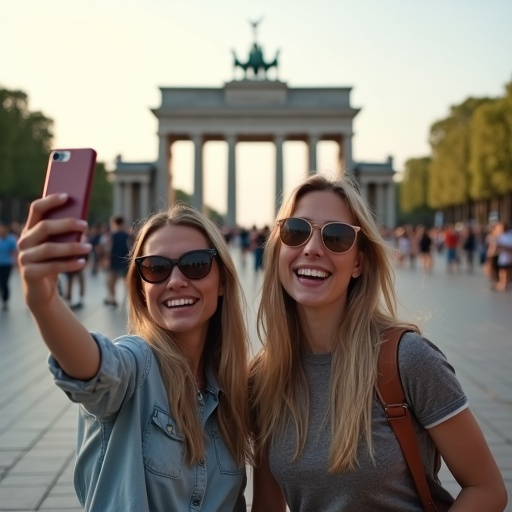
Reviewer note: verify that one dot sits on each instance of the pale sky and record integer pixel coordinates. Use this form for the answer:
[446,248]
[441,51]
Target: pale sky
[95,68]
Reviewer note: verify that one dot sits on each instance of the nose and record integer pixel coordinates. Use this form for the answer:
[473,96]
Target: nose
[176,279]
[314,245]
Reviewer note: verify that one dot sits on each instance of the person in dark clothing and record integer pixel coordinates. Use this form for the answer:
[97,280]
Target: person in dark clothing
[118,250]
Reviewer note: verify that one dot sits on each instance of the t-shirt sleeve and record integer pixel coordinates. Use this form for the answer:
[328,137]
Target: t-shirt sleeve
[431,387]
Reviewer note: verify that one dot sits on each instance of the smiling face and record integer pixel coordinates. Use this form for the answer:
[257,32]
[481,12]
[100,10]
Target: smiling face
[181,305]
[314,277]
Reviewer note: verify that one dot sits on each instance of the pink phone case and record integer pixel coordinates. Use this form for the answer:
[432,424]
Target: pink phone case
[70,171]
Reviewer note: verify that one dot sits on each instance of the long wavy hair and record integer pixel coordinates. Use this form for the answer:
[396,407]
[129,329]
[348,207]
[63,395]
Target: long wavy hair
[278,387]
[226,348]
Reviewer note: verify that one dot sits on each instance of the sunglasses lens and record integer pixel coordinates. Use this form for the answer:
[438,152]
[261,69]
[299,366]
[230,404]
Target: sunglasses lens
[195,265]
[155,269]
[338,237]
[294,231]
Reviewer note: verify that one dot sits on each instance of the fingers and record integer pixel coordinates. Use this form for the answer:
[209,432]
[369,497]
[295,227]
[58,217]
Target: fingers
[39,207]
[38,229]
[50,251]
[36,270]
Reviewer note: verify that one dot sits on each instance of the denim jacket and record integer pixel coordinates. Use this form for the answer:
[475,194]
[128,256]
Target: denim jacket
[130,452]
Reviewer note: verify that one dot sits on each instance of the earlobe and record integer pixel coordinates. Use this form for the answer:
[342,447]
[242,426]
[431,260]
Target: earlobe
[358,267]
[221,289]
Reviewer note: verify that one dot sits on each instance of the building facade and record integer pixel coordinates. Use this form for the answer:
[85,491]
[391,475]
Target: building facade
[252,109]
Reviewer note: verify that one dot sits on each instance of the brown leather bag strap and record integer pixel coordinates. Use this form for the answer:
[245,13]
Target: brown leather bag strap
[391,394]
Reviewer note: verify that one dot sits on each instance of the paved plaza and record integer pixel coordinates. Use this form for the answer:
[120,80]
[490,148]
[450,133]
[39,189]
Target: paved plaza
[458,312]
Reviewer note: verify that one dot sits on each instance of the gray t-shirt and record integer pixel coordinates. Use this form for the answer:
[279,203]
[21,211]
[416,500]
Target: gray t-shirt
[433,393]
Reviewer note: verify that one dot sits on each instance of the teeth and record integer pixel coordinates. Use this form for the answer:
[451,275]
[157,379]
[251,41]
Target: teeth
[312,272]
[179,302]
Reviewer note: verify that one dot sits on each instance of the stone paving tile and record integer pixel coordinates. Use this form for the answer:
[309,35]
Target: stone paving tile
[14,497]
[38,423]
[55,501]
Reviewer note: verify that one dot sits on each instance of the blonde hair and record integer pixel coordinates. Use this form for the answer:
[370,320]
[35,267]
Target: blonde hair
[279,391]
[226,348]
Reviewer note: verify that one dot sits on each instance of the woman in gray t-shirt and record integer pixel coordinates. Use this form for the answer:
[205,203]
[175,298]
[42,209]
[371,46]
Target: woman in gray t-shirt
[323,442]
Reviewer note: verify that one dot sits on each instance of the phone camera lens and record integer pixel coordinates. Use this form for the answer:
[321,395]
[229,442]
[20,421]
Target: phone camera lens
[56,156]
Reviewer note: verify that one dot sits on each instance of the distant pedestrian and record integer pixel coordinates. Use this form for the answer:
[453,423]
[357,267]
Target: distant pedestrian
[491,263]
[451,243]
[7,261]
[504,244]
[425,248]
[96,239]
[76,277]
[469,247]
[245,244]
[118,248]
[261,238]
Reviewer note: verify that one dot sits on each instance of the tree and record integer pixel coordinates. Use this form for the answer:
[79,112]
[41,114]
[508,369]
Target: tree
[25,141]
[491,142]
[449,182]
[413,193]
[100,207]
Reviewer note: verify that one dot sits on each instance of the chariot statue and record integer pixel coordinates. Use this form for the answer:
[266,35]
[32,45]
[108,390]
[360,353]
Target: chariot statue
[255,63]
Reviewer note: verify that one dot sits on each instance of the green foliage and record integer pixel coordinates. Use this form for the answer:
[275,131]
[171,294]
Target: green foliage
[100,207]
[413,191]
[450,140]
[491,141]
[25,141]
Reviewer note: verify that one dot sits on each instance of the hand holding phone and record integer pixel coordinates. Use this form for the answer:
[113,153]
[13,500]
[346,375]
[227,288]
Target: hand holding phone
[70,171]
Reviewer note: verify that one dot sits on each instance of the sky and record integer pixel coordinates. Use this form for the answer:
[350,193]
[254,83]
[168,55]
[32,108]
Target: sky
[95,67]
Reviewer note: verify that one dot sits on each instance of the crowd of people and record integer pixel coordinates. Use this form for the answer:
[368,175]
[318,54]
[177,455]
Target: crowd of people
[464,247]
[109,255]
[179,389]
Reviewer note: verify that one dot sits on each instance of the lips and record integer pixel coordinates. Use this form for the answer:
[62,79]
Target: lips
[179,303]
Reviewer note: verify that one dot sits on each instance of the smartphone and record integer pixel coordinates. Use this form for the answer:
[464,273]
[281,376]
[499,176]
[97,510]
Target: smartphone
[70,171]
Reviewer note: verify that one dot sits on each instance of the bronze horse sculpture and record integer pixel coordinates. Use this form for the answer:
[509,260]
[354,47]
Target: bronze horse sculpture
[256,62]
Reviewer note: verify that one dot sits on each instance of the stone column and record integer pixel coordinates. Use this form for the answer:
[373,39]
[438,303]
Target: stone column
[118,205]
[127,209]
[162,182]
[347,163]
[312,142]
[144,200]
[278,141]
[197,196]
[380,207]
[391,213]
[363,189]
[231,213]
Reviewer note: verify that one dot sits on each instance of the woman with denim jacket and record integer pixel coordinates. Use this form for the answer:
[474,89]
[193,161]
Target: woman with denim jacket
[163,410]
[323,440]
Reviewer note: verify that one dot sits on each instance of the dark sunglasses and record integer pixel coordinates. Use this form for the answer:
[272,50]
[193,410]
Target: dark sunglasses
[193,265]
[337,237]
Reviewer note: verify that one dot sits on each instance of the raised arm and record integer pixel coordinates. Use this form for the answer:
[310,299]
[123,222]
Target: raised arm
[40,263]
[467,455]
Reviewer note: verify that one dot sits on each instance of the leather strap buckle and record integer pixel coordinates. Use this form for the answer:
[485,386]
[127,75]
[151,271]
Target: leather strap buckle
[396,410]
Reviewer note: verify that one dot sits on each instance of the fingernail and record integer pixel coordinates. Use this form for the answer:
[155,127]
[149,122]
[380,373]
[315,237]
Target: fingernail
[63,196]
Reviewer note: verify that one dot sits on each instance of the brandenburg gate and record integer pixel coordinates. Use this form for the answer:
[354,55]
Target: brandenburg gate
[251,109]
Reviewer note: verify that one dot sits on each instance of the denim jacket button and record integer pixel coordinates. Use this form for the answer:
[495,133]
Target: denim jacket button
[169,428]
